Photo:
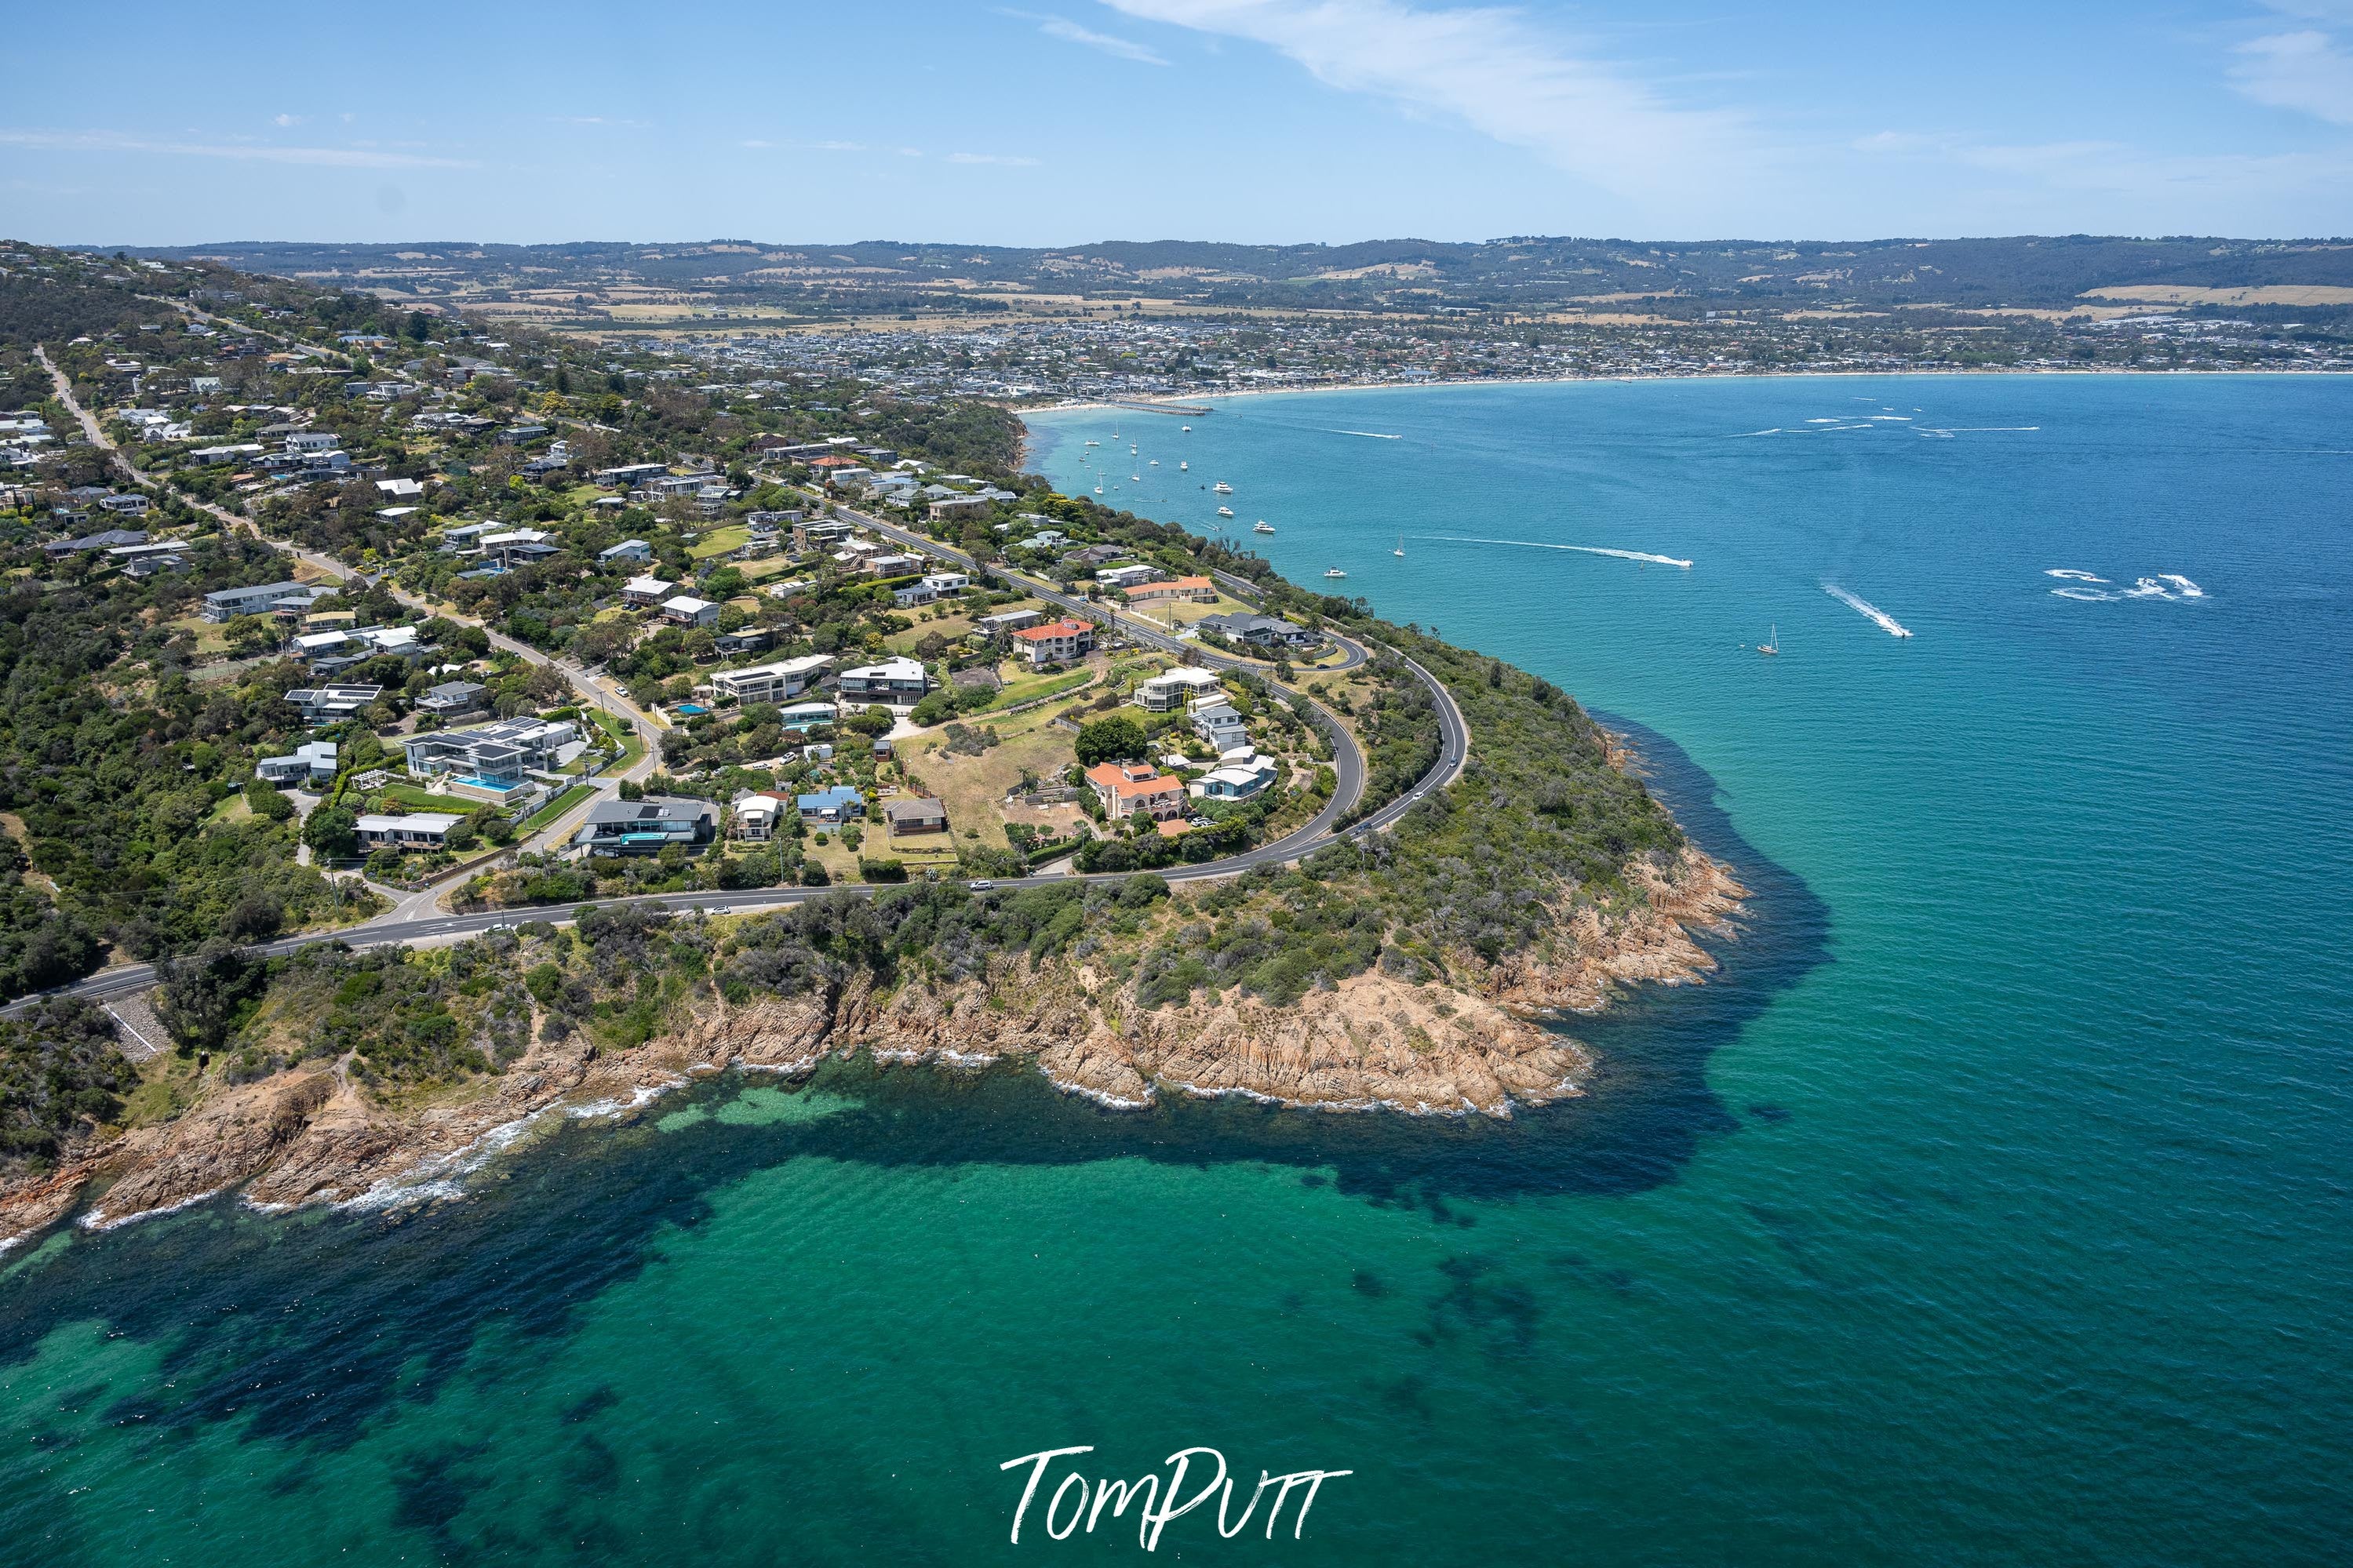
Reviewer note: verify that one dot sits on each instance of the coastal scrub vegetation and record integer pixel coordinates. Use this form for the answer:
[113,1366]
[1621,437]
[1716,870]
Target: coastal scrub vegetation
[61,1076]
[116,766]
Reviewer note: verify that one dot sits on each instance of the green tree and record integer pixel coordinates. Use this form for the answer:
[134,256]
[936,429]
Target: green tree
[267,800]
[203,996]
[1116,739]
[333,833]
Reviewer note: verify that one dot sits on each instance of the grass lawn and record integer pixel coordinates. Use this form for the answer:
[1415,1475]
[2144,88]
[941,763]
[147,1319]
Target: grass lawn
[212,636]
[719,542]
[1030,687]
[951,627]
[556,807]
[1169,614]
[973,788]
[418,799]
[766,566]
[620,729]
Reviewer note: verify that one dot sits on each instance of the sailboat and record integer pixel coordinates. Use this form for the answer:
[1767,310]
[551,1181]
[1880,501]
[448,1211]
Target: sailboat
[1769,649]
[1400,549]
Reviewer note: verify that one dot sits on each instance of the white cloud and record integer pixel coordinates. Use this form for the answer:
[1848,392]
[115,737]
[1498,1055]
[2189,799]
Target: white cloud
[1069,32]
[992,158]
[1488,68]
[2303,71]
[327,157]
[285,120]
[596,119]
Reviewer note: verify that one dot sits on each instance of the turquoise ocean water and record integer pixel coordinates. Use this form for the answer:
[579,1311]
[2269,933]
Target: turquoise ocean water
[1991,1206]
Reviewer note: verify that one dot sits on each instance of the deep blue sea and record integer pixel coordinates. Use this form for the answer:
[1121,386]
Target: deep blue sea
[1989,1206]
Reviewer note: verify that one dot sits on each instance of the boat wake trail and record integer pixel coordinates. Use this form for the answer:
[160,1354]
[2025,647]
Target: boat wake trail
[1376,435]
[1580,549]
[1867,610]
[2163,585]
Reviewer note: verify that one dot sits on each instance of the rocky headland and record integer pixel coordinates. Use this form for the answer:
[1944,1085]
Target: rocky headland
[1482,1041]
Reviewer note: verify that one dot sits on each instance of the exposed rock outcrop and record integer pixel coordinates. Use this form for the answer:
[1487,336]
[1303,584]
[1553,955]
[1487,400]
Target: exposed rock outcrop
[1373,1040]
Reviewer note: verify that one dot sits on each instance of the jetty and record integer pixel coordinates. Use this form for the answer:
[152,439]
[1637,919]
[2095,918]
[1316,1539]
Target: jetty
[1190,410]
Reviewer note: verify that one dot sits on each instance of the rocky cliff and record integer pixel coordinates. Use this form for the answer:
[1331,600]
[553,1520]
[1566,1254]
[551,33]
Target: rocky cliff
[1471,1043]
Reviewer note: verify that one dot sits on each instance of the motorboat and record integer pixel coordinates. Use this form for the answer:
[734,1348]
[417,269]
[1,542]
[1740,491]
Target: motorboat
[1261,526]
[1225,511]
[1222,487]
[1334,571]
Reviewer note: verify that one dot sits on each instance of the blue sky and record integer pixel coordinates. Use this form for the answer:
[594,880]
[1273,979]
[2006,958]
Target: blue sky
[1061,122]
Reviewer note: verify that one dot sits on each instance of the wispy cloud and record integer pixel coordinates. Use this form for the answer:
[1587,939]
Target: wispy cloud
[1490,70]
[326,157]
[1069,32]
[2304,70]
[282,121]
[596,119]
[1007,161]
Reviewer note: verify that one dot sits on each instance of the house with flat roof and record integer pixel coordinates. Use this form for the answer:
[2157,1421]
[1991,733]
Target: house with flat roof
[1220,725]
[646,826]
[328,704]
[686,610]
[1174,689]
[645,591]
[228,603]
[1008,621]
[1056,642]
[787,678]
[807,716]
[1241,775]
[753,815]
[1125,788]
[313,762]
[1263,632]
[894,682]
[750,640]
[503,753]
[454,699]
[415,830]
[840,804]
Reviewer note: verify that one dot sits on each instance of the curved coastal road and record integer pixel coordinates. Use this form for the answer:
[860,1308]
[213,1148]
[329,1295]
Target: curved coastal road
[416,918]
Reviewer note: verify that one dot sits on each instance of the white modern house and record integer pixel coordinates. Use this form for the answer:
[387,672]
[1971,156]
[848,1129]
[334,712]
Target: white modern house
[417,830]
[1175,689]
[776,682]
[894,682]
[1239,775]
[313,762]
